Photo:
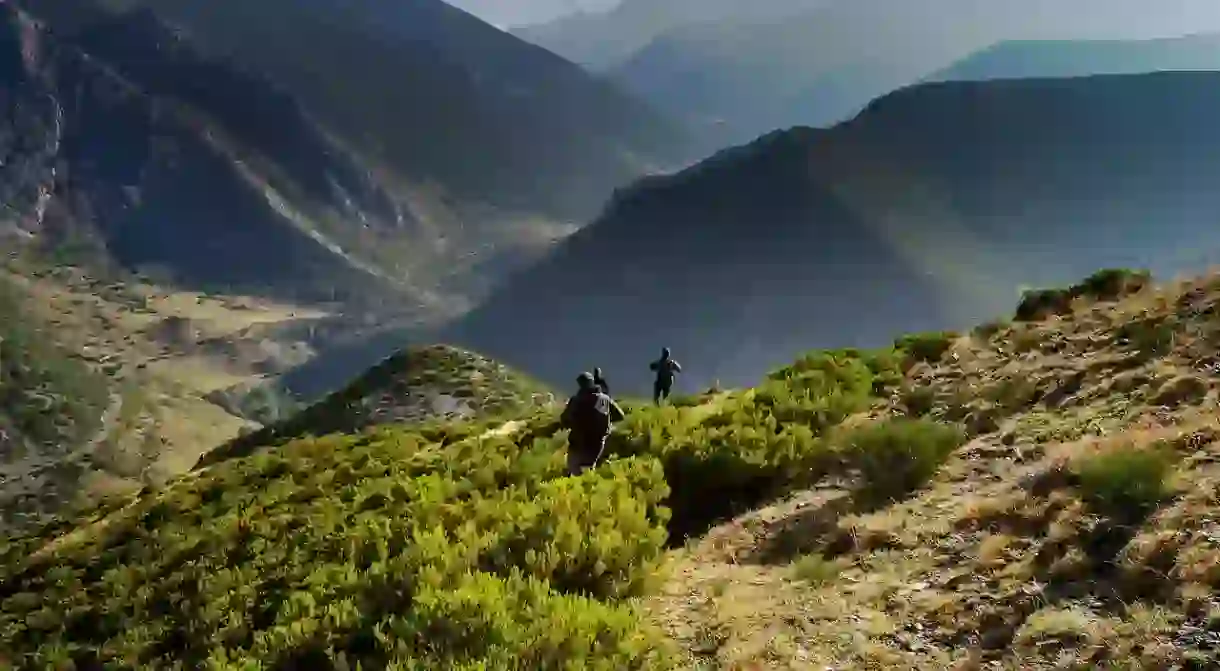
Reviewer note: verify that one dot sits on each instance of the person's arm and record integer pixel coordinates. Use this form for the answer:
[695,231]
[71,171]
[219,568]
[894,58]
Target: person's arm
[616,413]
[565,419]
[652,366]
[677,367]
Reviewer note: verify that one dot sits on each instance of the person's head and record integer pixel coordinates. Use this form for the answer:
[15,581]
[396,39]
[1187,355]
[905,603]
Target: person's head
[585,381]
[597,372]
[664,352]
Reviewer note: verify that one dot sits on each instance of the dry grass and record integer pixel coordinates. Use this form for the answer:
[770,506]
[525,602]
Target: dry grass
[166,422]
[1032,547]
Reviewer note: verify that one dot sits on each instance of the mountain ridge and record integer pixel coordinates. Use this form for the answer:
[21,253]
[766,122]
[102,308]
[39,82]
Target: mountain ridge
[967,191]
[1074,58]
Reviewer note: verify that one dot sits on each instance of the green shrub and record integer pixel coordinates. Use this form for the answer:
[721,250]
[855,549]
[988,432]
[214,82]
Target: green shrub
[752,448]
[988,330]
[1111,284]
[918,401]
[1150,336]
[925,347]
[1038,304]
[816,569]
[897,456]
[1104,285]
[1127,482]
[383,549]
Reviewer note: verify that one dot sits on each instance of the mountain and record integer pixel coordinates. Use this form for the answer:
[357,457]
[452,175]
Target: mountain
[1031,495]
[483,123]
[1076,58]
[738,77]
[528,13]
[928,210]
[137,144]
[122,145]
[600,40]
[414,385]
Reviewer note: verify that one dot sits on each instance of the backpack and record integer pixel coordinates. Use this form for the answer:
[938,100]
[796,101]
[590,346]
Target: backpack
[593,416]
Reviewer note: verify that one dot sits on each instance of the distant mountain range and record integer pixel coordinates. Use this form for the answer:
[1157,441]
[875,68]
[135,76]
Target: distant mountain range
[405,154]
[929,210]
[1076,58]
[602,40]
[738,72]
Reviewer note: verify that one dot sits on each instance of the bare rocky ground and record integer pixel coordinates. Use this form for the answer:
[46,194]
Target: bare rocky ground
[1002,562]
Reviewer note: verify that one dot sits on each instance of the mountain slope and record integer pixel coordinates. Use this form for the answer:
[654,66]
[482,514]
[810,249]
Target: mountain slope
[107,384]
[51,403]
[1012,60]
[125,145]
[506,125]
[1034,495]
[415,385]
[931,208]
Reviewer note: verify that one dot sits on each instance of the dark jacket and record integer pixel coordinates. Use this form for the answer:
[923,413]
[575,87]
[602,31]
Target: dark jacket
[588,417]
[666,370]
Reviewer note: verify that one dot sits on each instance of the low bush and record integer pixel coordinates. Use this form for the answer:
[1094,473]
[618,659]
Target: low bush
[755,447]
[386,550]
[1125,482]
[1104,285]
[816,569]
[925,347]
[897,456]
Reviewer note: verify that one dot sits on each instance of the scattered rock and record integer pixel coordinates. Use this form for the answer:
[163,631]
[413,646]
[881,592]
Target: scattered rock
[1181,389]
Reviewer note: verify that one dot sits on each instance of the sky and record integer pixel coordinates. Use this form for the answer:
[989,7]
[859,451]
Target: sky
[508,13]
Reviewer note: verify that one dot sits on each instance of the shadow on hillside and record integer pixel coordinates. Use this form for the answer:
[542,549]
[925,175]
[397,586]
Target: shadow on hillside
[816,529]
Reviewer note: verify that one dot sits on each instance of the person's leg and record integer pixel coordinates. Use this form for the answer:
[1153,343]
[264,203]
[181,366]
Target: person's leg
[665,391]
[656,392]
[575,462]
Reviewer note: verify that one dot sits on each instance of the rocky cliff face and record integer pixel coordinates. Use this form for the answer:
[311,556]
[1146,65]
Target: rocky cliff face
[122,137]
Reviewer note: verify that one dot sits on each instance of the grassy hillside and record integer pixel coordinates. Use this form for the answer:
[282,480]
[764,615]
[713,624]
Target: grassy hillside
[105,384]
[417,384]
[49,401]
[1035,494]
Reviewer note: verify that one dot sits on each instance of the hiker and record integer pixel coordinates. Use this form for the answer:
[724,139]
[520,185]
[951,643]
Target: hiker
[666,369]
[588,417]
[600,381]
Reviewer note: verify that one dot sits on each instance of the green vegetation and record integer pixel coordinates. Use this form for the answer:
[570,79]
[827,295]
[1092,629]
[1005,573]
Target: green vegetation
[898,456]
[1105,285]
[1125,482]
[390,550]
[816,569]
[404,388]
[48,398]
[402,539]
[926,347]
[435,544]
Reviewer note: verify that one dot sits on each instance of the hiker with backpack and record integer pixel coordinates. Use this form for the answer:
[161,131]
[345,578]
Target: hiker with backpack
[588,417]
[666,369]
